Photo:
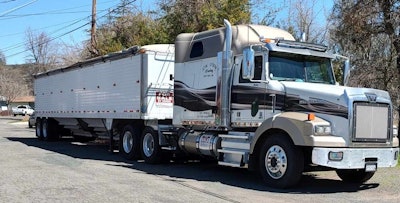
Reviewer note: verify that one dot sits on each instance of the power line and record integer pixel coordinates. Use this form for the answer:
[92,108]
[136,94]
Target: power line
[39,14]
[42,28]
[51,39]
[15,46]
[16,8]
[19,45]
[59,11]
[2,2]
[73,30]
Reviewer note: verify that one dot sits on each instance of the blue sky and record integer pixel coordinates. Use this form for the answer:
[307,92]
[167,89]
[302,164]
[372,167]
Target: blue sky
[58,19]
[54,17]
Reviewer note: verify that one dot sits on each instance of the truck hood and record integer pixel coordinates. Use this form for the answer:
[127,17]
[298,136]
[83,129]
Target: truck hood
[328,99]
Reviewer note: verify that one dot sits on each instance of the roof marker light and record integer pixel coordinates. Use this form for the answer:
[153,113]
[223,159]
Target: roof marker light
[311,116]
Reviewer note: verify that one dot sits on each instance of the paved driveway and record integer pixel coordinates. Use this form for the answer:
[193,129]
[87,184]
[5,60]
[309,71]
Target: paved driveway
[67,171]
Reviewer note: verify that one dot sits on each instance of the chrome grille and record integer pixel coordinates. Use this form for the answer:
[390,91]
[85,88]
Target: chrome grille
[371,122]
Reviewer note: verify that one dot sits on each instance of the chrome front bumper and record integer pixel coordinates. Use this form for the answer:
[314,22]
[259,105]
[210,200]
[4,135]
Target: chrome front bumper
[356,158]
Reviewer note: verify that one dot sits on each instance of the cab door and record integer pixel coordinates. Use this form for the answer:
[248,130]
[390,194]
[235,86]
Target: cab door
[248,97]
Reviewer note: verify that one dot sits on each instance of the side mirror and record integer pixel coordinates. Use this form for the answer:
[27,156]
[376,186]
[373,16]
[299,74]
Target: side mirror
[346,72]
[248,64]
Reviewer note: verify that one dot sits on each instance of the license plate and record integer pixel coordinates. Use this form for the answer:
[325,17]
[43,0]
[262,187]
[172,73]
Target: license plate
[370,167]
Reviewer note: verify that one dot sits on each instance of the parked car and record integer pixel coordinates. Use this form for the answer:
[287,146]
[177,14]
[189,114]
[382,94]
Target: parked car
[22,110]
[32,120]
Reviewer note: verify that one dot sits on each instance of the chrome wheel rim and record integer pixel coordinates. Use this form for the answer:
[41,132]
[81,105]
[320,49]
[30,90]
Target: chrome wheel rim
[38,129]
[128,142]
[276,162]
[148,144]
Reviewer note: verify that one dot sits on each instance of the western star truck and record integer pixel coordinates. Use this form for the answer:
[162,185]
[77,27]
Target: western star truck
[248,96]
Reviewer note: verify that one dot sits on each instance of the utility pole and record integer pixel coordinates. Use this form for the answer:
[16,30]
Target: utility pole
[93,29]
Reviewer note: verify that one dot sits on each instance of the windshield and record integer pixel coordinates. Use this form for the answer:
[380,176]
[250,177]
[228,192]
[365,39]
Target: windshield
[300,68]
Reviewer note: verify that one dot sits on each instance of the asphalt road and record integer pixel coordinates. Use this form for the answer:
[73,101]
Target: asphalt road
[67,171]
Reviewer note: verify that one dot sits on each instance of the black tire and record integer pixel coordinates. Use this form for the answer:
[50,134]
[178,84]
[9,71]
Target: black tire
[38,127]
[151,150]
[49,129]
[45,130]
[354,175]
[281,163]
[129,143]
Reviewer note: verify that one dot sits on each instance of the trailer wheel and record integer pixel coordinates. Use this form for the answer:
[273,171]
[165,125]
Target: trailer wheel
[38,127]
[49,130]
[281,162]
[151,150]
[129,143]
[354,175]
[45,129]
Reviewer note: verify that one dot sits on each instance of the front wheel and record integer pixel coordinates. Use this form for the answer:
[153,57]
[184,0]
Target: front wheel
[281,163]
[354,175]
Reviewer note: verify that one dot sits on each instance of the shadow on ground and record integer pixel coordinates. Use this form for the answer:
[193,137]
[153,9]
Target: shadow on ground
[193,170]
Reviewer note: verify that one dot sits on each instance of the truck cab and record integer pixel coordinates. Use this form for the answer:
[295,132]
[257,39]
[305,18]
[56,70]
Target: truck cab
[258,99]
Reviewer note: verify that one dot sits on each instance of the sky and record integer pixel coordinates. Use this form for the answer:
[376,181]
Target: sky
[65,21]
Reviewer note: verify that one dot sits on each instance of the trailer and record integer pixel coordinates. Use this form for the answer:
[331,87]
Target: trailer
[110,95]
[248,96]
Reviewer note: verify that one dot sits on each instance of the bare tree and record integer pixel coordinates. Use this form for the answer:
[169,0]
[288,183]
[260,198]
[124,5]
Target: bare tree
[2,58]
[264,12]
[43,55]
[11,85]
[368,31]
[304,17]
[70,53]
[306,21]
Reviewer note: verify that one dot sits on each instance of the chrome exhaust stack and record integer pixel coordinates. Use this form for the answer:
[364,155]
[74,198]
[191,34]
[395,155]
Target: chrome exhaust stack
[224,78]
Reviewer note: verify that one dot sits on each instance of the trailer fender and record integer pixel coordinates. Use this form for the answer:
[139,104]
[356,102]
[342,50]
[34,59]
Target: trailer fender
[295,124]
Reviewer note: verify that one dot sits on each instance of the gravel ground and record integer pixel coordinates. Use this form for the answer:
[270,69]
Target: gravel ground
[67,171]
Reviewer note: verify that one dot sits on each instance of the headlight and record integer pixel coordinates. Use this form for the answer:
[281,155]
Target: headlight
[322,130]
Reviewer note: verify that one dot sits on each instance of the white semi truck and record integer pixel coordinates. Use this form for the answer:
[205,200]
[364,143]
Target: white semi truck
[248,96]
